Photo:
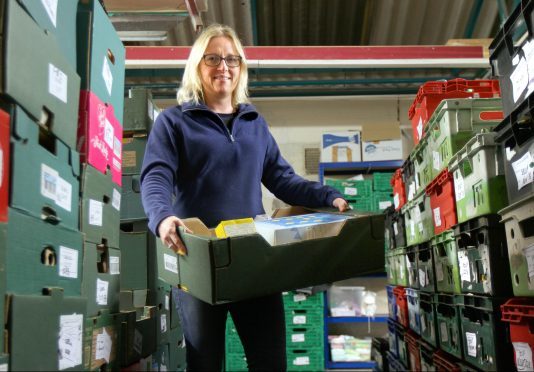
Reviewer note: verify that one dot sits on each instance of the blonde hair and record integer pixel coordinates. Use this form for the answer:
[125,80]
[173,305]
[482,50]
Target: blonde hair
[191,87]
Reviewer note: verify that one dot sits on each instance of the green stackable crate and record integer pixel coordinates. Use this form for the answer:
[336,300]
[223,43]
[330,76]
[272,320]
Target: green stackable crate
[418,219]
[295,300]
[390,267]
[236,362]
[382,181]
[412,268]
[361,204]
[446,262]
[479,183]
[303,317]
[304,337]
[448,322]
[311,359]
[352,188]
[425,264]
[381,200]
[427,309]
[454,122]
[401,271]
[421,160]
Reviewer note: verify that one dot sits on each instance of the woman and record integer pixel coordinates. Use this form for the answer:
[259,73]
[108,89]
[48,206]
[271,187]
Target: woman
[207,158]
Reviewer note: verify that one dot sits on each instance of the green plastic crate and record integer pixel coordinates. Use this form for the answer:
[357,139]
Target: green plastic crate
[446,262]
[399,263]
[361,204]
[382,181]
[381,201]
[448,321]
[479,183]
[418,219]
[420,157]
[454,122]
[295,300]
[303,317]
[236,362]
[411,266]
[352,188]
[425,264]
[390,267]
[304,337]
[427,309]
[311,359]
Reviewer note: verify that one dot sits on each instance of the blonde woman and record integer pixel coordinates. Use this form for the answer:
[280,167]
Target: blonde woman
[207,157]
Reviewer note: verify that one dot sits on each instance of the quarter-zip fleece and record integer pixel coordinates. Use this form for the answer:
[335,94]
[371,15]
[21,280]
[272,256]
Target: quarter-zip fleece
[195,167]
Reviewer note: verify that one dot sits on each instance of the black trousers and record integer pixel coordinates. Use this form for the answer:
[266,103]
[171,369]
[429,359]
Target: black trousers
[259,322]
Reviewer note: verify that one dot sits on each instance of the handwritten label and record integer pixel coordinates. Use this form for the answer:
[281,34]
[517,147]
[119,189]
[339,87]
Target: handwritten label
[57,83]
[523,356]
[471,339]
[103,346]
[95,212]
[301,361]
[519,77]
[299,319]
[351,191]
[463,263]
[101,292]
[524,170]
[68,262]
[459,186]
[298,337]
[437,216]
[70,340]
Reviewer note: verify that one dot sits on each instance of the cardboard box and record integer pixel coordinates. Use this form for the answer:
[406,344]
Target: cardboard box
[4,164]
[45,332]
[131,204]
[102,342]
[100,207]
[45,172]
[101,56]
[138,111]
[134,272]
[36,74]
[341,147]
[213,270]
[160,297]
[101,278]
[390,149]
[133,152]
[41,255]
[138,337]
[59,19]
[99,136]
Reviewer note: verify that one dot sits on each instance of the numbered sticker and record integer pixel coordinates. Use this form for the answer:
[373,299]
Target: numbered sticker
[471,339]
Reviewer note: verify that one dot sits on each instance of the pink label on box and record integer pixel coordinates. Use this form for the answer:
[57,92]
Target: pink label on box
[99,136]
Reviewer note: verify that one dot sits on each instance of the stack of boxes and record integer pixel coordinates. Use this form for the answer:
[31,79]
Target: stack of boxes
[451,276]
[304,335]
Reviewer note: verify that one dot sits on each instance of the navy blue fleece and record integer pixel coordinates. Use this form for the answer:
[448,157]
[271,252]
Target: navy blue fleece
[216,175]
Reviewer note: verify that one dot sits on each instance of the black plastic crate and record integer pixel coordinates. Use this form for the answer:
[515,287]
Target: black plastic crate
[507,46]
[515,134]
[483,256]
[426,268]
[395,228]
[380,347]
[389,236]
[408,176]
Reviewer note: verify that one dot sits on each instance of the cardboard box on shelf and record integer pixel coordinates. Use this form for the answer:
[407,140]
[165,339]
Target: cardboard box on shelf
[381,142]
[342,146]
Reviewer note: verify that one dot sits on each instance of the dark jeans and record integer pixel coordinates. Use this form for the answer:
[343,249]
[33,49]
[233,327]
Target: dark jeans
[259,322]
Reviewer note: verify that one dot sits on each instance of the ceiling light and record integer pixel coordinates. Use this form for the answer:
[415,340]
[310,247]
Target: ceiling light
[142,35]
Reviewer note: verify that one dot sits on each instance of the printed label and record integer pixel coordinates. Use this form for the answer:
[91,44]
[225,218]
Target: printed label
[101,292]
[138,342]
[299,319]
[170,263]
[459,187]
[437,216]
[103,346]
[107,75]
[463,263]
[95,212]
[114,265]
[57,83]
[528,49]
[108,133]
[443,335]
[395,228]
[49,181]
[396,200]
[68,262]
[528,252]
[384,204]
[471,339]
[116,164]
[420,128]
[436,161]
[524,170]
[519,78]
[298,337]
[351,191]
[63,194]
[116,200]
[411,191]
[523,356]
[129,159]
[302,361]
[163,323]
[70,340]
[299,297]
[3,367]
[51,9]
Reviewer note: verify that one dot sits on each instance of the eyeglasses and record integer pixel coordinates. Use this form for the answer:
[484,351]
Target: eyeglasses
[214,60]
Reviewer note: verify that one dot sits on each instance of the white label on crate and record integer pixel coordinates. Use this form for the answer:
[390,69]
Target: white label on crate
[436,161]
[524,170]
[114,265]
[298,337]
[384,204]
[70,340]
[299,319]
[408,263]
[117,147]
[163,323]
[49,178]
[519,78]
[299,297]
[396,200]
[523,356]
[64,194]
[68,262]
[395,228]
[417,214]
[443,335]
[420,128]
[107,75]
[170,263]
[116,199]
[422,278]
[3,367]
[108,133]
[411,191]
[138,342]
[351,191]
[417,185]
[95,212]
[101,292]
[103,346]
[471,339]
[51,10]
[301,361]
[167,302]
[423,322]
[459,186]
[437,216]
[57,83]
[439,272]
[528,252]
[463,263]
[412,228]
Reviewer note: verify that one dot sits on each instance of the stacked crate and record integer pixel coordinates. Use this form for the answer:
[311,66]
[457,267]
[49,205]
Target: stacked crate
[304,335]
[455,247]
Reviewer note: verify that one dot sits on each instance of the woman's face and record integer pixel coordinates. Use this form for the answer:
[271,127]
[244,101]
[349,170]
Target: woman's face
[219,81]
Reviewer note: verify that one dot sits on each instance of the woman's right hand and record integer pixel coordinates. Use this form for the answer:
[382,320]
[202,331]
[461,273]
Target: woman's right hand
[168,233]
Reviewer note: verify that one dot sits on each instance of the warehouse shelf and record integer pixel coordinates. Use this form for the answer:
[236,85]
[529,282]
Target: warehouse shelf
[357,167]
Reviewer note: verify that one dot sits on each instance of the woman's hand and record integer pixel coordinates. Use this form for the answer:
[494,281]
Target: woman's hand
[341,204]
[168,233]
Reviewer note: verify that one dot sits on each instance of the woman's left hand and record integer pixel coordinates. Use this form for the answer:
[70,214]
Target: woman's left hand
[341,204]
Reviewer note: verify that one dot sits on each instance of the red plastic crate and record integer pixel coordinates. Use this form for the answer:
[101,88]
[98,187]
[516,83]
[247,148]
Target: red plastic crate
[4,164]
[519,312]
[412,341]
[431,94]
[399,190]
[442,202]
[402,306]
[445,362]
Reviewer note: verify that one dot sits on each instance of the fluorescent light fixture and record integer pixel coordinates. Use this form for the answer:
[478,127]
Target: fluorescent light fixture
[142,35]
